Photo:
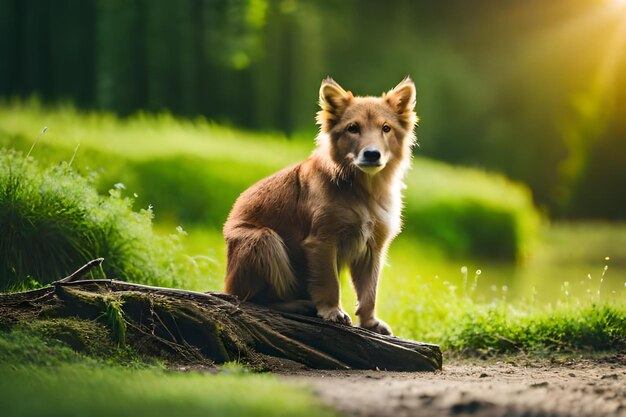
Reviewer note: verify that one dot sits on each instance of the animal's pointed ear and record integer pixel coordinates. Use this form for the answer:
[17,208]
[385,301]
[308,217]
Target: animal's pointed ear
[402,97]
[333,102]
[333,97]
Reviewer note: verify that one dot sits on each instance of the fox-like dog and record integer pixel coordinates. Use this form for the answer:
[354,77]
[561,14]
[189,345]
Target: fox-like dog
[289,235]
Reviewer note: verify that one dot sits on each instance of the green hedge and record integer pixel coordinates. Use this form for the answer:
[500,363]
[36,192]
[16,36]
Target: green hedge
[469,212]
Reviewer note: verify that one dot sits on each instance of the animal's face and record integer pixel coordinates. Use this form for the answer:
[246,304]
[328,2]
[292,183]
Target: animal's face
[367,132]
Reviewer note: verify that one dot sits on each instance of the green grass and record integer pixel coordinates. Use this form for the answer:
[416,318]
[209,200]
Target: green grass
[45,377]
[441,312]
[72,390]
[192,171]
[52,221]
[55,342]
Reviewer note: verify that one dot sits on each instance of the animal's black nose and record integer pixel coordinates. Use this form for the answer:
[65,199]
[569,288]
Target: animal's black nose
[371,154]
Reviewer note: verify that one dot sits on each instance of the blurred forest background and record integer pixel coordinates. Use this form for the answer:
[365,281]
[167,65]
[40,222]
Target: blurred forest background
[533,89]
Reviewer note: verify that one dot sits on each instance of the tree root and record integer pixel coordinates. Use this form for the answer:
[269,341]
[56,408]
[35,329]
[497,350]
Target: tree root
[212,327]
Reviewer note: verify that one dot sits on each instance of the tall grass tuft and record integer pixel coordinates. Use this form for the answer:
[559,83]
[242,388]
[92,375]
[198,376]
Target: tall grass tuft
[52,221]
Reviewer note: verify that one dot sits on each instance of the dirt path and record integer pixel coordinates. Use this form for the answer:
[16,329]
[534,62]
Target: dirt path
[513,388]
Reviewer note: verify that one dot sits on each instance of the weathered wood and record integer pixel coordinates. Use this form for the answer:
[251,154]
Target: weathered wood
[217,327]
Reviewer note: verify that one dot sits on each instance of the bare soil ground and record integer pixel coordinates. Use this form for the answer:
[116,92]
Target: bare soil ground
[513,387]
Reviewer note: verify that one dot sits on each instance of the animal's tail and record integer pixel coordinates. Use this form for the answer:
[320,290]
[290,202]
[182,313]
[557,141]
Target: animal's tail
[258,256]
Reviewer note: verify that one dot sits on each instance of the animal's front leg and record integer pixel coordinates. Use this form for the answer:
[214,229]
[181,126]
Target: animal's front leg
[323,282]
[365,273]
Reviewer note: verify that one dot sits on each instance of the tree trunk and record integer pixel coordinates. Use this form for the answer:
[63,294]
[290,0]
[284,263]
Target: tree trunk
[193,326]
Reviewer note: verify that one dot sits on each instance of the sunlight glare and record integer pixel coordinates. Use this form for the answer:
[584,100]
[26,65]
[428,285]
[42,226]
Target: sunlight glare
[619,3]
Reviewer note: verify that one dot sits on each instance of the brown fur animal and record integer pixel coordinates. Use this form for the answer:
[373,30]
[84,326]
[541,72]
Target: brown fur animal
[289,234]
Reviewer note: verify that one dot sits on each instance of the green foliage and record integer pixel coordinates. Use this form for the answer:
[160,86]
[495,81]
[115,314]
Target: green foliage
[468,228]
[52,222]
[208,187]
[469,212]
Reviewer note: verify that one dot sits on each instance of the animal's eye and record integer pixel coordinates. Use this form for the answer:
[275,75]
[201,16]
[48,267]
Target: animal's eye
[353,128]
[386,128]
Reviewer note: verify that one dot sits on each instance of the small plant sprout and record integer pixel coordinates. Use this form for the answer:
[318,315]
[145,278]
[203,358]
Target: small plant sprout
[606,266]
[475,283]
[45,128]
[464,272]
[452,288]
[74,155]
[119,186]
[565,289]
[181,231]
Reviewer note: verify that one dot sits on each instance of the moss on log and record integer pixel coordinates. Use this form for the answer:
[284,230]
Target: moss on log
[211,327]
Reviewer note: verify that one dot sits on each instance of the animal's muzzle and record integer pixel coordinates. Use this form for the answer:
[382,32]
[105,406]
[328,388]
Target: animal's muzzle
[370,156]
[370,160]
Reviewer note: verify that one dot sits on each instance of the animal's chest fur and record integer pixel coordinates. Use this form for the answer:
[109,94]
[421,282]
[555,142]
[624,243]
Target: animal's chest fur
[367,227]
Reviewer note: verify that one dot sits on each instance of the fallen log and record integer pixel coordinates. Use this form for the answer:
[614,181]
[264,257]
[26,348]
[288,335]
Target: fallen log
[196,326]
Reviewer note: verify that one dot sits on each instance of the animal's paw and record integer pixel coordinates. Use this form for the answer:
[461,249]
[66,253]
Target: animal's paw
[334,314]
[377,326]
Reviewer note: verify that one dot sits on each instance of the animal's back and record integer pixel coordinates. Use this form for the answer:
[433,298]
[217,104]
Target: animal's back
[274,202]
[265,227]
